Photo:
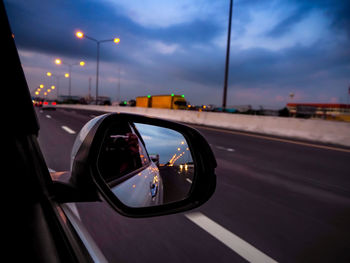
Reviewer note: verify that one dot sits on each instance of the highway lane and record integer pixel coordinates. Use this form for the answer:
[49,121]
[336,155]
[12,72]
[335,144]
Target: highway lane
[289,201]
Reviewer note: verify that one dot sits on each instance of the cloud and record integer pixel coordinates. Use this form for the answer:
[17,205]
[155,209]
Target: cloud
[266,30]
[164,14]
[164,48]
[285,25]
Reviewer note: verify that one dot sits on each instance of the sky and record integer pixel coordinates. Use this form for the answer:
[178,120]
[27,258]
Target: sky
[277,48]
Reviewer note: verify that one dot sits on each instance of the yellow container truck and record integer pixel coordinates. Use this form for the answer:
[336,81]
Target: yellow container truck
[162,101]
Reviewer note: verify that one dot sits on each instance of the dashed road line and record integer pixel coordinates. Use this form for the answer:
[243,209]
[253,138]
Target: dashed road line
[238,245]
[325,147]
[48,116]
[67,129]
[189,180]
[224,148]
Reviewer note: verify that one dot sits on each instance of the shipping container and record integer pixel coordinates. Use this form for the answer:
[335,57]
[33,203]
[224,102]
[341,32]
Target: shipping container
[162,101]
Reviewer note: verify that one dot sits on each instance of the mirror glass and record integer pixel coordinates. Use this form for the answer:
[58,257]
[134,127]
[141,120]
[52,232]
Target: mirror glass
[146,165]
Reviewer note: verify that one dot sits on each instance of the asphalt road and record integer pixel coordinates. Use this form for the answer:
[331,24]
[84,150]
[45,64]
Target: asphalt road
[275,200]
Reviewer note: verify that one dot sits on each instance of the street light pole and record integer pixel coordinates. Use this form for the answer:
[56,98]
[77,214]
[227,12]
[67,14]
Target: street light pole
[227,57]
[80,34]
[97,69]
[59,62]
[70,80]
[51,75]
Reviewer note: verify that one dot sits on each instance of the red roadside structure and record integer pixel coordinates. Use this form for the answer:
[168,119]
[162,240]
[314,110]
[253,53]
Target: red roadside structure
[333,111]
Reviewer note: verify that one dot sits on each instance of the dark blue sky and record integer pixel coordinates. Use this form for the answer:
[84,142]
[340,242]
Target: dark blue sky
[277,47]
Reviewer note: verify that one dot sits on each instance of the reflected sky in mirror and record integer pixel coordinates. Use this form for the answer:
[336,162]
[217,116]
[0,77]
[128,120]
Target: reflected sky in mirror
[170,145]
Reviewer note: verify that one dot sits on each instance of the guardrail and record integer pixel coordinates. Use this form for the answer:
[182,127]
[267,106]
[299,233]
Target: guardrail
[306,129]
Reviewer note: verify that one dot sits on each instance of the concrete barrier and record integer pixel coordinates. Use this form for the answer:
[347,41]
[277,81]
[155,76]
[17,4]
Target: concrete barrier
[307,129]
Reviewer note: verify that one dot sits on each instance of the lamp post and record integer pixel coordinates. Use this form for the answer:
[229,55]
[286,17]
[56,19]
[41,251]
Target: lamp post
[224,98]
[49,74]
[80,34]
[59,62]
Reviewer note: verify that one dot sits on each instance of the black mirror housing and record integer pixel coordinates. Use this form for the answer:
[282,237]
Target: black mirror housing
[87,181]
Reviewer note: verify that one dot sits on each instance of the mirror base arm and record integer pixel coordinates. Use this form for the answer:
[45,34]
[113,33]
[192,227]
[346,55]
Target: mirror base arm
[66,192]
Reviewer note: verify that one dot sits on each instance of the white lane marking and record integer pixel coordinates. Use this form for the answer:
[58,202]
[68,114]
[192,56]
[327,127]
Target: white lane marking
[67,129]
[333,148]
[189,180]
[224,148]
[241,247]
[48,116]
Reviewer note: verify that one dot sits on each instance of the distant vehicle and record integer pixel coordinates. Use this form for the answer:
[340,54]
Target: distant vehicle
[229,110]
[37,102]
[132,103]
[103,100]
[49,105]
[162,101]
[123,103]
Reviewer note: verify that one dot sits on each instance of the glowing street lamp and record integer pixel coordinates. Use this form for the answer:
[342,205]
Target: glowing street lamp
[116,40]
[49,74]
[79,34]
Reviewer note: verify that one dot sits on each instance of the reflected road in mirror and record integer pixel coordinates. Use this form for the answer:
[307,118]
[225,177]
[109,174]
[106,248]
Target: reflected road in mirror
[146,165]
[169,149]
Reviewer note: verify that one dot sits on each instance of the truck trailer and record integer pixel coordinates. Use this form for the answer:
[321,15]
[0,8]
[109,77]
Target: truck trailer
[162,101]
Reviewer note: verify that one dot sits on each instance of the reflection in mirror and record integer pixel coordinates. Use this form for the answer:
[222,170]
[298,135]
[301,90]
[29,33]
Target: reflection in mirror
[146,165]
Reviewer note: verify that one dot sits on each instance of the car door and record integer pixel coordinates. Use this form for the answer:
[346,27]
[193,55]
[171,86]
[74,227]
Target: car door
[40,223]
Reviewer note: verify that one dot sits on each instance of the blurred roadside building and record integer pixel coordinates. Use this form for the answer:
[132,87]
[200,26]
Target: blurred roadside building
[329,111]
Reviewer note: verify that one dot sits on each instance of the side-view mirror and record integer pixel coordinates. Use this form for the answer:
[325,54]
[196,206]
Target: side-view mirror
[142,166]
